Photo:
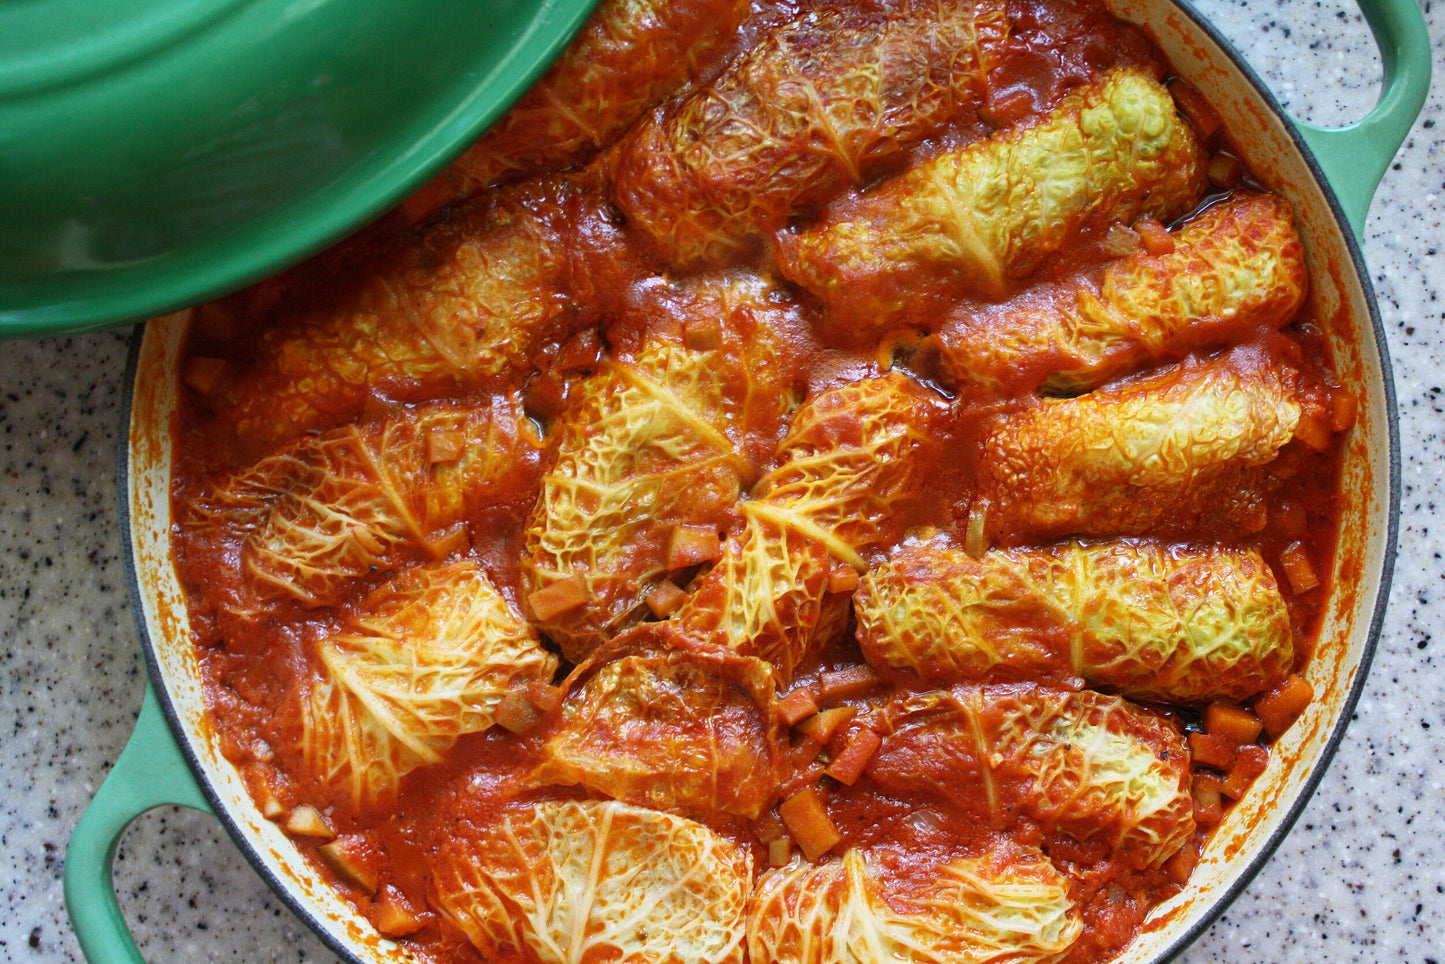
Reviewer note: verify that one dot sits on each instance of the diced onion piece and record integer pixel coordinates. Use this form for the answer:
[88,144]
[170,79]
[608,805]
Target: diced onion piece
[1155,237]
[559,597]
[1229,722]
[845,683]
[1196,109]
[1178,867]
[201,373]
[1225,170]
[820,727]
[392,914]
[848,766]
[780,851]
[1120,241]
[307,821]
[975,534]
[665,599]
[1252,761]
[1207,791]
[1004,108]
[809,823]
[1289,520]
[1344,410]
[797,706]
[1212,751]
[1298,569]
[351,858]
[545,696]
[1281,706]
[690,545]
[517,713]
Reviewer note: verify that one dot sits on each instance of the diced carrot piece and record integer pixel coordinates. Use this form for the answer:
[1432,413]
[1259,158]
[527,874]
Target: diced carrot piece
[797,705]
[1225,170]
[842,578]
[845,683]
[1281,706]
[1312,431]
[553,600]
[202,373]
[665,599]
[1178,867]
[1155,237]
[702,334]
[307,821]
[1212,751]
[1196,109]
[690,545]
[445,445]
[1251,762]
[820,727]
[393,915]
[1207,791]
[517,713]
[780,851]
[1344,410]
[351,857]
[1298,569]
[1230,722]
[848,766]
[808,822]
[545,696]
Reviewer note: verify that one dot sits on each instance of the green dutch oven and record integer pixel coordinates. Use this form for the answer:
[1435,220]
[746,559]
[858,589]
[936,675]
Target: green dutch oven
[158,153]
[1328,176]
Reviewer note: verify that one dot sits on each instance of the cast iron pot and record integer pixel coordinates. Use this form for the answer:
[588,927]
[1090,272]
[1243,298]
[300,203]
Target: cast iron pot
[1328,176]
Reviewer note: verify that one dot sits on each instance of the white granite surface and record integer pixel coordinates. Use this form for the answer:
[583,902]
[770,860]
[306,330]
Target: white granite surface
[1362,877]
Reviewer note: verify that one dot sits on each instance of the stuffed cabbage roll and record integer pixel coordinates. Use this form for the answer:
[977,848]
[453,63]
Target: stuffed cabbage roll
[816,105]
[419,662]
[1007,906]
[1238,265]
[1091,767]
[467,301]
[329,509]
[849,462]
[672,729]
[653,443]
[629,56]
[1157,454]
[581,882]
[1154,622]
[976,220]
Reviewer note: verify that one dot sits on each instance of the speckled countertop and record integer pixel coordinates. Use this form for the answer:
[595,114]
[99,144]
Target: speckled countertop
[1361,878]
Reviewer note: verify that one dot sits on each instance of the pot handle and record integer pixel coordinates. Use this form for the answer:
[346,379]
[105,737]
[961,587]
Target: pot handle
[150,773]
[1354,158]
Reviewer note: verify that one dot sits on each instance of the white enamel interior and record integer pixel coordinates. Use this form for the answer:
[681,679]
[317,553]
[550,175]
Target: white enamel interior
[1338,299]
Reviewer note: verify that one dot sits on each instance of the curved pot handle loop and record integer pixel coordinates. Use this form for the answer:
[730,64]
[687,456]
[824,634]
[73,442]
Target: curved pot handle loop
[150,773]
[1355,158]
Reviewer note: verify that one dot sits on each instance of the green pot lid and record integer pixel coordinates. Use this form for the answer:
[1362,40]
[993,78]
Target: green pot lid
[157,153]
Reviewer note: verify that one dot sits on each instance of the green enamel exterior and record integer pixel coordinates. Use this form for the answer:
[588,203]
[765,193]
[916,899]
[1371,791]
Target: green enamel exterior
[158,153]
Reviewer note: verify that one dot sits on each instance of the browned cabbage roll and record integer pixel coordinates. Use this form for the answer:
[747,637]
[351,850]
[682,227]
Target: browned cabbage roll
[1240,264]
[308,521]
[423,660]
[1157,454]
[975,220]
[466,302]
[1010,905]
[654,440]
[630,55]
[592,881]
[816,105]
[1150,621]
[672,729]
[849,461]
[1088,766]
